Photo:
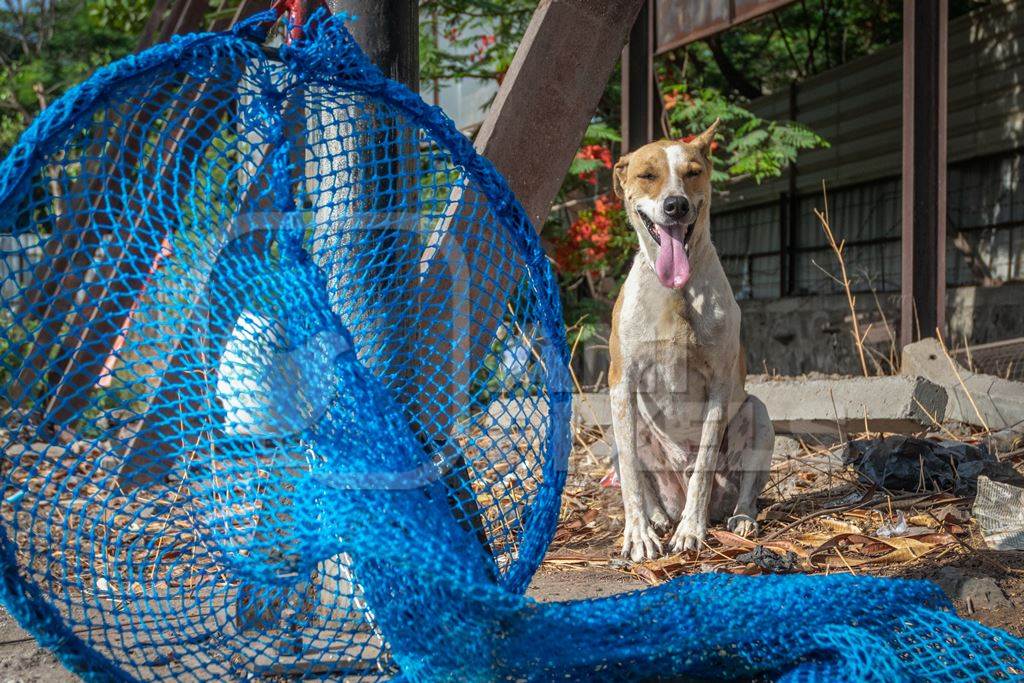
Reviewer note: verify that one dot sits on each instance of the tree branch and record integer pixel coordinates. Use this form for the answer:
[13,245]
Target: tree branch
[785,40]
[737,81]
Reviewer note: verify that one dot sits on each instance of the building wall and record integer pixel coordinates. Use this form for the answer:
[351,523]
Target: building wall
[772,244]
[795,318]
[797,335]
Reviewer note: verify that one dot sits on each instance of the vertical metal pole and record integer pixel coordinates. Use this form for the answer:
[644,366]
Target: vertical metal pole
[784,244]
[923,297]
[641,103]
[388,31]
[792,201]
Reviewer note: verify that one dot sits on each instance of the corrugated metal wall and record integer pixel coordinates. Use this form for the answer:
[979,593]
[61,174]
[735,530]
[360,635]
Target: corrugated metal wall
[857,108]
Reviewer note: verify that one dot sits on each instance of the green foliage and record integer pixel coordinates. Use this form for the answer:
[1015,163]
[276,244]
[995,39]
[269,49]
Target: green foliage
[470,38]
[46,46]
[125,17]
[599,132]
[753,147]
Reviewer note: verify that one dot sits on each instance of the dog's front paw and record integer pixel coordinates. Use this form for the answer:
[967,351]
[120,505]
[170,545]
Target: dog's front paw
[689,535]
[640,542]
[742,525]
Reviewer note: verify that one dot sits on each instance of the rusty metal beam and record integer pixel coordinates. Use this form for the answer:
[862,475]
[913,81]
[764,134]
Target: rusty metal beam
[388,32]
[681,22]
[641,101]
[244,10]
[189,19]
[153,24]
[923,299]
[550,92]
[66,267]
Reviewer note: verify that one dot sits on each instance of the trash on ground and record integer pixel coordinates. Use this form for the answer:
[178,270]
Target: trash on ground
[771,561]
[999,509]
[611,480]
[905,463]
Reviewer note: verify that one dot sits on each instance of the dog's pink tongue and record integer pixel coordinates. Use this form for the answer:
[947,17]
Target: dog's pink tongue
[672,265]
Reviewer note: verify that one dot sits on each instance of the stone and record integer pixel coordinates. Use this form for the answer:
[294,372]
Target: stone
[997,403]
[978,592]
[603,449]
[825,406]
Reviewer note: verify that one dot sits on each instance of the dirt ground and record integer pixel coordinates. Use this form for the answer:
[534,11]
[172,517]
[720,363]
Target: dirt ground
[816,518]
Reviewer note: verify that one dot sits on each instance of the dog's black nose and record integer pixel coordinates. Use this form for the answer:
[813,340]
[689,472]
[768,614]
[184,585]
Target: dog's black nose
[676,207]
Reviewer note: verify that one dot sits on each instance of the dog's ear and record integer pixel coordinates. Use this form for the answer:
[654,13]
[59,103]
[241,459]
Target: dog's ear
[704,140]
[619,175]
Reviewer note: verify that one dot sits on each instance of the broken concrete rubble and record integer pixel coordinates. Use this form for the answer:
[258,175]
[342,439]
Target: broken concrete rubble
[825,406]
[929,391]
[974,398]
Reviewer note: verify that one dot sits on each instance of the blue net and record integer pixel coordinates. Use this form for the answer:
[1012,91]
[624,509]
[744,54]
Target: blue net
[285,395]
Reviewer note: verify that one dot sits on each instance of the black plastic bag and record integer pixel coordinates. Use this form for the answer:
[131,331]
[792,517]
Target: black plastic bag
[905,463]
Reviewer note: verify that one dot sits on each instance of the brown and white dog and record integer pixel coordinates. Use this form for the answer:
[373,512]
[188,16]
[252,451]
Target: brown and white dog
[693,446]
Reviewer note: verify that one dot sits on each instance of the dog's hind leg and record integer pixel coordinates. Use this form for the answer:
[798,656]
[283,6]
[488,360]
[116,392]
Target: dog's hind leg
[653,508]
[751,440]
[649,456]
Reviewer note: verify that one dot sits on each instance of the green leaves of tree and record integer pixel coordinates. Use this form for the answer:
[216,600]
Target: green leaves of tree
[46,46]
[750,146]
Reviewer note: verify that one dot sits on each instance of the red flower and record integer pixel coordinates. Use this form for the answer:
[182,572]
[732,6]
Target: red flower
[691,137]
[596,152]
[586,242]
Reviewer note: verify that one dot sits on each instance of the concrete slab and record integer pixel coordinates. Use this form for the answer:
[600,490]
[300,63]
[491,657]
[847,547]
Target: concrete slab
[803,407]
[592,409]
[825,406]
[997,403]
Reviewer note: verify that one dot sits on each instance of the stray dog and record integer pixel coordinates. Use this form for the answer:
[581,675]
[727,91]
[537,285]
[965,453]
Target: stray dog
[693,446]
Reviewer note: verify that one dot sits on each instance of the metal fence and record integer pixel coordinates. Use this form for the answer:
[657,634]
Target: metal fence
[1002,359]
[766,255]
[773,246]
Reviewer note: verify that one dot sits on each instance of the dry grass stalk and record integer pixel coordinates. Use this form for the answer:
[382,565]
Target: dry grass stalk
[956,371]
[576,429]
[894,354]
[837,249]
[835,411]
[935,421]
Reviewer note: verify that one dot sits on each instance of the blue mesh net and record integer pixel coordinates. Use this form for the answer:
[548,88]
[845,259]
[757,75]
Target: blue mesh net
[285,395]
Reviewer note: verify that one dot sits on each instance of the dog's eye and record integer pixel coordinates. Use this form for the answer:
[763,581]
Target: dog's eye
[693,173]
[647,176]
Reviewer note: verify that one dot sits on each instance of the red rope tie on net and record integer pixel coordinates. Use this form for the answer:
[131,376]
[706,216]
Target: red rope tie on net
[296,11]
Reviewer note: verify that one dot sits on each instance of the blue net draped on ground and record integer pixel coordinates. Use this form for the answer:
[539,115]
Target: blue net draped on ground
[285,395]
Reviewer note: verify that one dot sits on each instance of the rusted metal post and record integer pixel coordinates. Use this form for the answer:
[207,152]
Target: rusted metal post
[641,102]
[388,32]
[923,299]
[790,210]
[550,92]
[67,269]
